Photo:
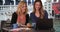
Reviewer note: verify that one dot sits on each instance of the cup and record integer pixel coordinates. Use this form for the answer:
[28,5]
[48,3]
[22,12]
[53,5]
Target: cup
[34,25]
[15,26]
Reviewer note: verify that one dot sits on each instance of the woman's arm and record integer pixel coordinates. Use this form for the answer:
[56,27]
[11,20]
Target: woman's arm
[27,18]
[14,18]
[28,21]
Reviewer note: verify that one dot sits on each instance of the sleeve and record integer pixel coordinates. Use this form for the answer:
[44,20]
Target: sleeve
[46,15]
[13,20]
[31,16]
[32,19]
[27,18]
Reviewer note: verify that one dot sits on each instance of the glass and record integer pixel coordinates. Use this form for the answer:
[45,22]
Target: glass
[30,21]
[15,26]
[34,25]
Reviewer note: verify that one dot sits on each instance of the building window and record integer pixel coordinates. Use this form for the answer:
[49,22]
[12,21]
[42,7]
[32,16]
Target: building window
[49,7]
[45,7]
[49,10]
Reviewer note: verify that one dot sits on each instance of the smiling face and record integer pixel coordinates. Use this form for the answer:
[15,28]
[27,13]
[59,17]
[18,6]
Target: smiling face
[38,8]
[23,8]
[37,5]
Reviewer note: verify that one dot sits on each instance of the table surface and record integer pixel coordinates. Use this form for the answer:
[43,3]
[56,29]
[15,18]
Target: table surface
[27,29]
[16,29]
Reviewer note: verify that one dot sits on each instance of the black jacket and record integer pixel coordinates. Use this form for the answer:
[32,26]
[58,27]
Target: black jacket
[14,18]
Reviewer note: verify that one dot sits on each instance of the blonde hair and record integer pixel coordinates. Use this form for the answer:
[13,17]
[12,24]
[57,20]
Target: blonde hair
[19,7]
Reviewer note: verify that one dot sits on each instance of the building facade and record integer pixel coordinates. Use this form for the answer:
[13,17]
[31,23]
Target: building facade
[48,8]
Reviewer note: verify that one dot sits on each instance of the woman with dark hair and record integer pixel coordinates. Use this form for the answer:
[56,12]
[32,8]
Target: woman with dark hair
[38,12]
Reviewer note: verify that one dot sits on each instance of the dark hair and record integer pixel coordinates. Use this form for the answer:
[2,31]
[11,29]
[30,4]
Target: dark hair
[41,11]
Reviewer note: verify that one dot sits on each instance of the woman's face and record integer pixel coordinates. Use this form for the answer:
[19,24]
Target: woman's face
[23,8]
[37,5]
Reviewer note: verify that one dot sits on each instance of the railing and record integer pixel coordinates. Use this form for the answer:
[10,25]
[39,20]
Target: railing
[7,7]
[6,11]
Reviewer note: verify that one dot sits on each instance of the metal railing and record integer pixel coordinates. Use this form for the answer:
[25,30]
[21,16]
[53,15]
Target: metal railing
[6,11]
[7,7]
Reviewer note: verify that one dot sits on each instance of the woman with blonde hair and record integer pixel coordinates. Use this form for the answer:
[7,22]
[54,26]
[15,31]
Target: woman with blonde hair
[20,16]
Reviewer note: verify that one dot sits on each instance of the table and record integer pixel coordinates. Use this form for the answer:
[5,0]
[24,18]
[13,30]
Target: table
[18,29]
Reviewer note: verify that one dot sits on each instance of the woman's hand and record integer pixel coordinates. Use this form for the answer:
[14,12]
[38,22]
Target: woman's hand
[29,25]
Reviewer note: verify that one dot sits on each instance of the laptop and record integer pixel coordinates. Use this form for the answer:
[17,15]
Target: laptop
[44,24]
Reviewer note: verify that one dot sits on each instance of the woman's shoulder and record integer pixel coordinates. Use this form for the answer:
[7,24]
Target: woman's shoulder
[14,13]
[32,13]
[46,15]
[45,11]
[27,14]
